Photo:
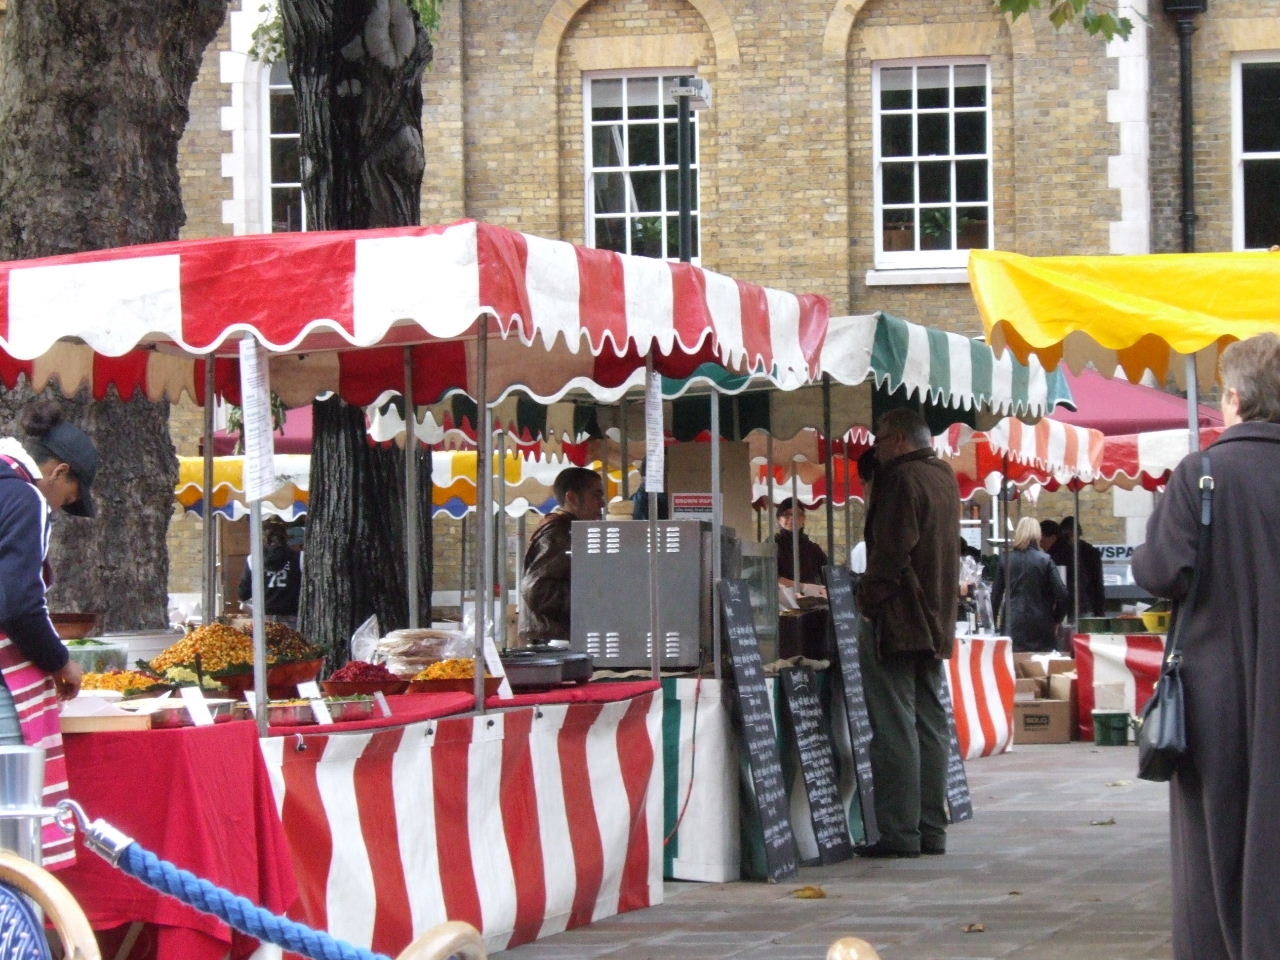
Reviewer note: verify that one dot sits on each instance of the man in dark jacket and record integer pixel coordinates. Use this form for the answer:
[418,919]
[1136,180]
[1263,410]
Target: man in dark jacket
[909,596]
[544,587]
[1093,598]
[281,576]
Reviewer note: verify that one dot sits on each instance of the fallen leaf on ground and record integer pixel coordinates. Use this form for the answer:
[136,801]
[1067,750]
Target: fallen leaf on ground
[1120,783]
[1109,822]
[973,928]
[1015,893]
[809,892]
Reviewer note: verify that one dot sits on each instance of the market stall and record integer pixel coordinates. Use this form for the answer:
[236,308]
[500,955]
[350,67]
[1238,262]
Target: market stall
[1116,672]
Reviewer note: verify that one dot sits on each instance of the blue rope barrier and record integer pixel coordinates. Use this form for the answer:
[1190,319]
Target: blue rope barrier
[239,912]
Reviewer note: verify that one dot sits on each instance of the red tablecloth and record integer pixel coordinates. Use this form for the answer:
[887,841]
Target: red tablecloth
[405,708]
[1126,663]
[198,797]
[608,692]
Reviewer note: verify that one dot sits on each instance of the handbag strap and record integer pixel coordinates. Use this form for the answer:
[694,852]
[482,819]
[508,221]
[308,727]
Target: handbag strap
[1202,556]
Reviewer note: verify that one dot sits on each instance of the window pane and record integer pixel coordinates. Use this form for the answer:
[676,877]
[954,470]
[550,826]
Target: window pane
[895,135]
[646,236]
[1260,92]
[935,229]
[934,87]
[935,182]
[971,86]
[606,145]
[899,230]
[648,191]
[279,74]
[673,190]
[972,230]
[1261,203]
[971,133]
[669,109]
[286,209]
[895,88]
[896,183]
[611,234]
[284,112]
[932,134]
[642,98]
[971,180]
[285,163]
[606,99]
[611,192]
[642,145]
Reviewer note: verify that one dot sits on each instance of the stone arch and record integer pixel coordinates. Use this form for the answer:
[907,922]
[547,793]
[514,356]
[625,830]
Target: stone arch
[546,46]
[835,39]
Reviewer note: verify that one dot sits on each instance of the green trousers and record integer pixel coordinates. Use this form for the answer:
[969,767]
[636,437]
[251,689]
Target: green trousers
[910,745]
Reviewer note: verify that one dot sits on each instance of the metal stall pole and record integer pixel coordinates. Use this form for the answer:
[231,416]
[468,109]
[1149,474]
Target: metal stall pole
[795,527]
[848,506]
[654,482]
[493,544]
[626,451]
[717,525]
[411,552]
[1075,559]
[463,564]
[259,616]
[520,535]
[210,597]
[829,469]
[484,516]
[768,507]
[502,631]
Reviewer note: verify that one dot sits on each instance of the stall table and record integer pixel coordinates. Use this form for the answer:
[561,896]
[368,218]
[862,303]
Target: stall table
[1120,669]
[980,673]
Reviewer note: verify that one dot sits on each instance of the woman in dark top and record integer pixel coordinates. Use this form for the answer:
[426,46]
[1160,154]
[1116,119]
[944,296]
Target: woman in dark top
[1033,595]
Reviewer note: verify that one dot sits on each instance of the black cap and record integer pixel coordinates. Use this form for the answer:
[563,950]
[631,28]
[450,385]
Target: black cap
[786,506]
[72,446]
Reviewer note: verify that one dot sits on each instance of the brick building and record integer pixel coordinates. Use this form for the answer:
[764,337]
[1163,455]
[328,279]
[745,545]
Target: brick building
[854,148]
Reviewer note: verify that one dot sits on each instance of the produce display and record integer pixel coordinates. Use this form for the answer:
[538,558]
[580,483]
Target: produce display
[125,681]
[224,649]
[455,669]
[361,671]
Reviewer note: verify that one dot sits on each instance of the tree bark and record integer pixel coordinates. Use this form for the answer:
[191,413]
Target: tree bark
[93,101]
[357,69]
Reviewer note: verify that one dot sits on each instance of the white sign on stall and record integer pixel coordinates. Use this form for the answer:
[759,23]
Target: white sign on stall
[654,436]
[255,398]
[692,506]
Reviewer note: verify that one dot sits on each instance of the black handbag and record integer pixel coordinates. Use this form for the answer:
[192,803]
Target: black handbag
[1162,731]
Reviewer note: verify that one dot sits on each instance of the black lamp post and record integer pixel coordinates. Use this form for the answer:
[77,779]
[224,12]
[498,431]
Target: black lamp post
[690,93]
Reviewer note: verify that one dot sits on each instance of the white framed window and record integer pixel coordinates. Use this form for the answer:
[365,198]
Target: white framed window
[932,161]
[632,201]
[1255,121]
[286,210]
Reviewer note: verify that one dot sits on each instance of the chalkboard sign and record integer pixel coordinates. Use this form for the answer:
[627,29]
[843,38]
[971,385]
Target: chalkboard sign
[845,623]
[959,802]
[817,764]
[758,734]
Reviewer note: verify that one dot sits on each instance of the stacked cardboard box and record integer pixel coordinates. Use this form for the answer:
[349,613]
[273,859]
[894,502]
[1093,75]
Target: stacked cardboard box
[1045,704]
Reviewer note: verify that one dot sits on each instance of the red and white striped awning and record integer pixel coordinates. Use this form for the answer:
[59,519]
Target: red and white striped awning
[1147,459]
[1048,452]
[340,307]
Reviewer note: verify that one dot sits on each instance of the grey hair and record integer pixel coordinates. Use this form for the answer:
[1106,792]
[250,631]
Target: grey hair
[1252,368]
[906,423]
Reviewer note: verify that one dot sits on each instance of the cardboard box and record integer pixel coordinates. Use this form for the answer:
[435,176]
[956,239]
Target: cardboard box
[1042,721]
[1110,696]
[1028,688]
[1041,664]
[1065,686]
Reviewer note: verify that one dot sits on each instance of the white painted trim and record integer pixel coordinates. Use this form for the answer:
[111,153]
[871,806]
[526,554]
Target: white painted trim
[899,278]
[245,79]
[1128,106]
[1237,141]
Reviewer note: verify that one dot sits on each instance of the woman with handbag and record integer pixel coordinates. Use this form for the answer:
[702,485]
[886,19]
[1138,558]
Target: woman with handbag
[1225,789]
[1029,596]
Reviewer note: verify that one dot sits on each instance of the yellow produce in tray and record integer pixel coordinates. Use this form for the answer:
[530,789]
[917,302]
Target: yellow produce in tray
[455,669]
[222,647]
[121,680]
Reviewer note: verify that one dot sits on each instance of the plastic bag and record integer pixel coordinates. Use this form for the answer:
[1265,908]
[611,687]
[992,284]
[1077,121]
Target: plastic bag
[365,640]
[407,653]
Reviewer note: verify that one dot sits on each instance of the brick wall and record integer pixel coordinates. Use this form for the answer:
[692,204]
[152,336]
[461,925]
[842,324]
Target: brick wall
[201,148]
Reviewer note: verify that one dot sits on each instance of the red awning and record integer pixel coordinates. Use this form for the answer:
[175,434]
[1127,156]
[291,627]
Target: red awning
[1116,406]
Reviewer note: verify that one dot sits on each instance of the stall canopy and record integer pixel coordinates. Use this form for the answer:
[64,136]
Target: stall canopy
[1132,312]
[338,310]
[288,501]
[1118,407]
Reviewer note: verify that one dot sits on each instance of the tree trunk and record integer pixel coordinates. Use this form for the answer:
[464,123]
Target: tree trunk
[357,69]
[89,159]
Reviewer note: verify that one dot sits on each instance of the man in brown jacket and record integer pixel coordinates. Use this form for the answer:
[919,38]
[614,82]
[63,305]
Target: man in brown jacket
[909,598]
[544,587]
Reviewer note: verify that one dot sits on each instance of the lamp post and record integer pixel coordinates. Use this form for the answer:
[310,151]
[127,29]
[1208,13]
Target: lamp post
[690,93]
[1184,13]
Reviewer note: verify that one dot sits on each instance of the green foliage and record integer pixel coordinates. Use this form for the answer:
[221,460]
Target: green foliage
[267,45]
[1096,16]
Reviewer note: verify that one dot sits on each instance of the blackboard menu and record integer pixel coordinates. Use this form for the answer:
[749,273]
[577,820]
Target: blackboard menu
[817,764]
[959,802]
[758,734]
[845,623]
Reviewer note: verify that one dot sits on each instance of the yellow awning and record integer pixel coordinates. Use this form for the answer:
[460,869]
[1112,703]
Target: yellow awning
[1134,312]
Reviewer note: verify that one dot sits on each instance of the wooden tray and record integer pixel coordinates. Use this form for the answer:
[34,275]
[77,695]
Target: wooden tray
[105,724]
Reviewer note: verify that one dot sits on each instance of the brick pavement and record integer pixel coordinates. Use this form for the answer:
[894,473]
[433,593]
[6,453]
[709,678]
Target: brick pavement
[1039,866]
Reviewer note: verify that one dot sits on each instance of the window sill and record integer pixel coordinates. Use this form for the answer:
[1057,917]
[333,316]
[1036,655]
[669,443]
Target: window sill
[914,276]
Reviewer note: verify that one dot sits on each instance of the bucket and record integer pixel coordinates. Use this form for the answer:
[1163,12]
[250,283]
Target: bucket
[21,795]
[1111,728]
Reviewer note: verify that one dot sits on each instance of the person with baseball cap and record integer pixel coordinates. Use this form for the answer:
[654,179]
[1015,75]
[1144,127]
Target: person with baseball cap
[53,468]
